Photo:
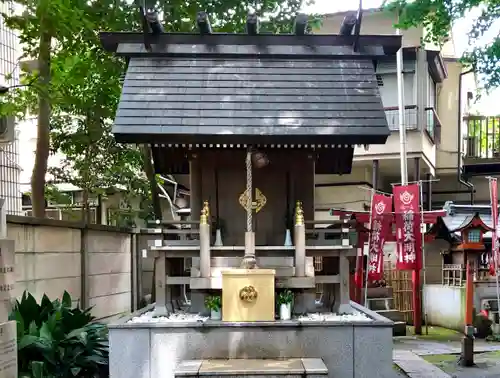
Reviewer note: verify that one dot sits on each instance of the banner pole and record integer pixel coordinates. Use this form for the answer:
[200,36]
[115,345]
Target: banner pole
[494,244]
[423,229]
[368,256]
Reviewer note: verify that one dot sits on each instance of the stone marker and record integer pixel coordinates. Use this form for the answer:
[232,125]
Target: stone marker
[8,334]
[8,350]
[7,276]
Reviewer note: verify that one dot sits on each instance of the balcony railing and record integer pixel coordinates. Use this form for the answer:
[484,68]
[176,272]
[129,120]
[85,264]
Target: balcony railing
[432,124]
[482,138]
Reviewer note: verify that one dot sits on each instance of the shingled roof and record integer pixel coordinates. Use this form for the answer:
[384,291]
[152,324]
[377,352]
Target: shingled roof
[220,88]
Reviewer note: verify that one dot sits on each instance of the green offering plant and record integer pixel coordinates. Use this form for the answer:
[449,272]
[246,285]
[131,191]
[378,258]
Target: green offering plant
[56,340]
[213,303]
[285,297]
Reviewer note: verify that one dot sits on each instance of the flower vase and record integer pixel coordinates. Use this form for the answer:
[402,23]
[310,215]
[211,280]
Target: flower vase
[286,311]
[288,238]
[215,315]
[218,238]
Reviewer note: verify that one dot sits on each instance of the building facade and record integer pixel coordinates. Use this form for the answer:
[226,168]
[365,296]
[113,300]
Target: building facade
[434,88]
[10,170]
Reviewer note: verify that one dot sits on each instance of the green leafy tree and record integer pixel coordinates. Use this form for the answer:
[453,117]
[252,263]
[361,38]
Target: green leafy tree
[43,24]
[438,17]
[77,84]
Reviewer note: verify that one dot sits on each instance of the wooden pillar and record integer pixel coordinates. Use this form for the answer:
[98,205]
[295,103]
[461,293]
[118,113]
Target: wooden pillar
[205,268]
[300,242]
[417,304]
[160,284]
[344,300]
[195,190]
[467,355]
[359,278]
[429,192]
[416,170]
[375,170]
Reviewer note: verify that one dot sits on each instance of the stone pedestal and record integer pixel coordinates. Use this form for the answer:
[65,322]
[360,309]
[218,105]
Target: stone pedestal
[235,309]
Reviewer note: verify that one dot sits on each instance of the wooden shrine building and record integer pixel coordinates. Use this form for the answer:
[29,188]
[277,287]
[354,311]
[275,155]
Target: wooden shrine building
[251,118]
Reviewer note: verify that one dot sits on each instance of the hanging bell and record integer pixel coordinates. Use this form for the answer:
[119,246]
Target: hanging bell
[259,159]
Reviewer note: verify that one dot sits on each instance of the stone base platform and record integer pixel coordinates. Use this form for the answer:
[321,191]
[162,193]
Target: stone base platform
[249,368]
[349,349]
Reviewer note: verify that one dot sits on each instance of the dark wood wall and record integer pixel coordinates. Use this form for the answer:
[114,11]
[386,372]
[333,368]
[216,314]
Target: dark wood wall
[219,176]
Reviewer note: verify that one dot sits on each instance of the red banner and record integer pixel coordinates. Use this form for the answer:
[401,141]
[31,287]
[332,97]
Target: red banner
[380,226]
[408,223]
[494,215]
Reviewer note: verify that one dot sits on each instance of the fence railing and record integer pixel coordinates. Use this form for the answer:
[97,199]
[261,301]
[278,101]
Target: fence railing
[482,137]
[455,274]
[432,125]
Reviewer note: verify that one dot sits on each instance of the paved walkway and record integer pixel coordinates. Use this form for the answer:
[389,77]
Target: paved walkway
[415,366]
[408,351]
[427,347]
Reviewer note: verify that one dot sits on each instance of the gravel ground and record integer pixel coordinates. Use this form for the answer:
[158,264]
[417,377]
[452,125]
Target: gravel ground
[149,317]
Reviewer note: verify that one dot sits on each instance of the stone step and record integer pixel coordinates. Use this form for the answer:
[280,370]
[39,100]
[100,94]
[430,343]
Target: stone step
[399,329]
[291,368]
[392,314]
[376,304]
[380,292]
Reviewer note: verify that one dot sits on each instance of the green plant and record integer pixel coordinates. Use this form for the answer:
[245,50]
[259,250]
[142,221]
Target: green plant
[285,297]
[213,302]
[58,341]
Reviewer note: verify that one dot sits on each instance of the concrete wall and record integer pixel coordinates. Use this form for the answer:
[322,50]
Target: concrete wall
[373,23]
[93,264]
[445,306]
[345,196]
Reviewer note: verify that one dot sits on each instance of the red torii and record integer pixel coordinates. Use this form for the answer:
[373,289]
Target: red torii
[362,220]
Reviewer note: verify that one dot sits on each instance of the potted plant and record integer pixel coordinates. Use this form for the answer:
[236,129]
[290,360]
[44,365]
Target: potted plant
[285,299]
[214,304]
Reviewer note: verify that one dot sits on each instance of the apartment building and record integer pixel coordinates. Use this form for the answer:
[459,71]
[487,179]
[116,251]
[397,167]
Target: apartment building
[10,170]
[436,95]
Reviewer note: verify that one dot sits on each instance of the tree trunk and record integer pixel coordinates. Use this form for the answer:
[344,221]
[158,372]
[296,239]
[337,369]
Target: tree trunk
[85,207]
[43,127]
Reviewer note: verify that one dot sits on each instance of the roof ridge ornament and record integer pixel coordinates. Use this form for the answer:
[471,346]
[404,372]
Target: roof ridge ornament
[300,25]
[203,23]
[253,24]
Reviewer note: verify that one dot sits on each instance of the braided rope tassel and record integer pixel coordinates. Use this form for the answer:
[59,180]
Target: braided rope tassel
[249,191]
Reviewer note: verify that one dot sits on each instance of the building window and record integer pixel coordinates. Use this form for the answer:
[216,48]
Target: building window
[474,236]
[380,81]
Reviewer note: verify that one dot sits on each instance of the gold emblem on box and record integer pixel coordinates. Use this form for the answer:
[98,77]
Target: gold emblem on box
[248,294]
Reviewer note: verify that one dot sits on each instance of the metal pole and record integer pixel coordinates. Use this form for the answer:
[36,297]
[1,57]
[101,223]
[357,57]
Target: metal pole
[422,225]
[401,114]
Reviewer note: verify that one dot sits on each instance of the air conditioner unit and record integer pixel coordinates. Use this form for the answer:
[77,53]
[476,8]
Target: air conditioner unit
[7,126]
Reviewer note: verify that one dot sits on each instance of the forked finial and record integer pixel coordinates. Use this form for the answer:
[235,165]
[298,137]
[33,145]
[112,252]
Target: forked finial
[206,208]
[203,217]
[299,214]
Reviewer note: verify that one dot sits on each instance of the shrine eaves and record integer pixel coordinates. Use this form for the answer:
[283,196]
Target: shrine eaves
[250,88]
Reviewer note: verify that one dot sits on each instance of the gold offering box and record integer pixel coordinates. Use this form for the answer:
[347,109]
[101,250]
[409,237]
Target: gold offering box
[248,295]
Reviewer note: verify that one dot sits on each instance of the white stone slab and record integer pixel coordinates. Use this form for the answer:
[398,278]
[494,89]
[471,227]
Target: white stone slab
[416,367]
[8,350]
